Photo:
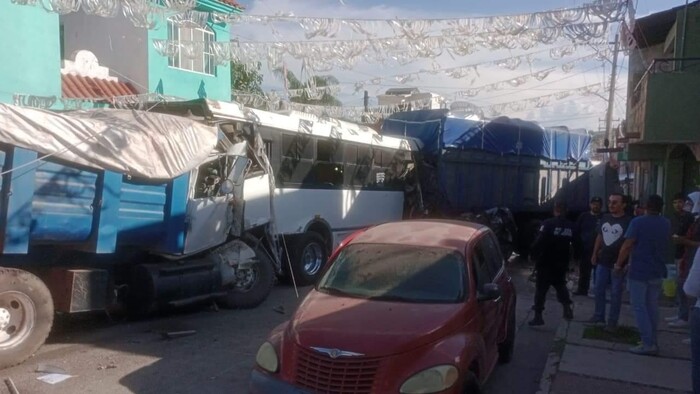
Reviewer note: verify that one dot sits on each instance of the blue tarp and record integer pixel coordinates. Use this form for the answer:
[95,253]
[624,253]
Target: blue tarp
[505,136]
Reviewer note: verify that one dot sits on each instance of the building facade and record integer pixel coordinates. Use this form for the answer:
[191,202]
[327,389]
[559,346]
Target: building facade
[661,136]
[30,69]
[129,53]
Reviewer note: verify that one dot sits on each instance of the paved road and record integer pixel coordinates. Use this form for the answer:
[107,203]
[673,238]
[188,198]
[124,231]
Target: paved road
[532,345]
[119,356]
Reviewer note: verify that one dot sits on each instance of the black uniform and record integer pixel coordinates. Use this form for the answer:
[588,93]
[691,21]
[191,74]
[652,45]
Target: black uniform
[586,227]
[552,247]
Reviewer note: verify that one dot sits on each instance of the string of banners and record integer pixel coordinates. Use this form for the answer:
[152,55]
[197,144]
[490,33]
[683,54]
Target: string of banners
[460,72]
[345,54]
[141,13]
[601,11]
[272,102]
[145,13]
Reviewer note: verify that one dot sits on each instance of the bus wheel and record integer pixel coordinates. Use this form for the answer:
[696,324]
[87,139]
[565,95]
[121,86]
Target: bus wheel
[26,315]
[308,255]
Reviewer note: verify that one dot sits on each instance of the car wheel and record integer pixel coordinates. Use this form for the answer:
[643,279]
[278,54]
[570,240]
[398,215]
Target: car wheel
[308,255]
[471,384]
[26,315]
[506,348]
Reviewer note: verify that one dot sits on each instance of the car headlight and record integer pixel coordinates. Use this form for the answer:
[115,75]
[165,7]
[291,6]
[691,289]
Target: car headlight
[431,380]
[267,358]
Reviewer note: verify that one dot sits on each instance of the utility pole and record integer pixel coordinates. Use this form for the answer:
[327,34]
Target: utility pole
[611,97]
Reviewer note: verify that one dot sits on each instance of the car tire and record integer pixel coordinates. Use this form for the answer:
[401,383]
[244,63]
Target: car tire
[506,348]
[307,255]
[26,315]
[471,384]
[253,295]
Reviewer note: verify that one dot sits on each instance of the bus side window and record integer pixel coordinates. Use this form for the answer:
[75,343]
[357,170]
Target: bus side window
[328,167]
[297,158]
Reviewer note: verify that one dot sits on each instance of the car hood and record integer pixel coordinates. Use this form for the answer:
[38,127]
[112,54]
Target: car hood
[370,327]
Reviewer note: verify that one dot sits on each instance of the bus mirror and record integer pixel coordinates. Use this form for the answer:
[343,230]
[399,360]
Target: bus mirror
[227,187]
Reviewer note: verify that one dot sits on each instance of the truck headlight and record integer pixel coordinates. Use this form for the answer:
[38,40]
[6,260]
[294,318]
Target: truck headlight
[431,380]
[267,358]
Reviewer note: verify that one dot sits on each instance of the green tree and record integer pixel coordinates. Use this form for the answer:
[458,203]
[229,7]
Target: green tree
[321,81]
[246,79]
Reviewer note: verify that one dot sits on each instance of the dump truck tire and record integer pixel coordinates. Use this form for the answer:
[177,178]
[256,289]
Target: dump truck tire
[26,315]
[260,288]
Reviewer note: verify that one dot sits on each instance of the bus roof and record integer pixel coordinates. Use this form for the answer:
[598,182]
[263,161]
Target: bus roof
[292,121]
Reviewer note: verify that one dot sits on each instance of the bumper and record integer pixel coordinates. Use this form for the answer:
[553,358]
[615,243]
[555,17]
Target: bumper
[261,383]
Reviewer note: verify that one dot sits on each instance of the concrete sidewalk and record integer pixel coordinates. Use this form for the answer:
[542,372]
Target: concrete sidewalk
[580,365]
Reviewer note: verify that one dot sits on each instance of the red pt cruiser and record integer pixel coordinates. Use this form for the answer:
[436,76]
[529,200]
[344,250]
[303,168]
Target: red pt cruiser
[407,307]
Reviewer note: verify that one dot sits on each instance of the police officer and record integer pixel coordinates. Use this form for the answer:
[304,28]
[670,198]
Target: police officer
[552,247]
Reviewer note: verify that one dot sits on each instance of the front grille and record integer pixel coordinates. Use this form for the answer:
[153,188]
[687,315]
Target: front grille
[346,375]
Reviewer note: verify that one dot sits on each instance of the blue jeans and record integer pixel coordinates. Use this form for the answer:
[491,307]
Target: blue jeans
[695,346]
[604,276]
[644,296]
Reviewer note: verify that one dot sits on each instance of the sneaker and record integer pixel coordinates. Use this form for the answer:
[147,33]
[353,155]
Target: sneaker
[645,350]
[671,318]
[679,324]
[686,341]
[536,321]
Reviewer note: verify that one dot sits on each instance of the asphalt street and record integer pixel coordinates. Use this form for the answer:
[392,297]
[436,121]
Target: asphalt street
[112,355]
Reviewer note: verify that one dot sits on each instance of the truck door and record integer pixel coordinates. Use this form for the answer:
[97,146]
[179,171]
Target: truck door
[217,203]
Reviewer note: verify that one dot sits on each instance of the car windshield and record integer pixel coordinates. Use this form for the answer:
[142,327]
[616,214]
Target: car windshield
[402,273]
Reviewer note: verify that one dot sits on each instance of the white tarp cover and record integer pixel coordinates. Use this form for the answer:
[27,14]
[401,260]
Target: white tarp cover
[138,143]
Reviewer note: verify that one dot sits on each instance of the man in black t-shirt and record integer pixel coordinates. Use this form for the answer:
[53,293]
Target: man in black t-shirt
[586,227]
[608,242]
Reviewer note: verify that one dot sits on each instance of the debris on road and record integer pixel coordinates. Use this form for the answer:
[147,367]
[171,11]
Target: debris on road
[11,386]
[111,365]
[177,334]
[54,378]
[279,309]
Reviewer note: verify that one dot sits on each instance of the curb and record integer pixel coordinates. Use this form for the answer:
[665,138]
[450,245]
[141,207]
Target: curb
[552,365]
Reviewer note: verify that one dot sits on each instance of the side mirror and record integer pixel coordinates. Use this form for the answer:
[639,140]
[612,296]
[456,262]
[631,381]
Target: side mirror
[226,187]
[490,292]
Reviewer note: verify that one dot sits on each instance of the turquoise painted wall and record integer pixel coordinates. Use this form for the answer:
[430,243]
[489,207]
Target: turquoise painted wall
[31,59]
[186,84]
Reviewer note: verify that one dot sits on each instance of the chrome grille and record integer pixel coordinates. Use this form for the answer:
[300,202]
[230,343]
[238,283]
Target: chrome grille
[345,375]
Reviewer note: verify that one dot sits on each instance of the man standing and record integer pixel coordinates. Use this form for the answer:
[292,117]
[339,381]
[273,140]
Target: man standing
[552,247]
[586,226]
[607,247]
[647,242]
[692,288]
[681,220]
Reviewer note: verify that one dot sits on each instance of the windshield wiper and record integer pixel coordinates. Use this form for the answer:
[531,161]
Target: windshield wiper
[336,291]
[389,297]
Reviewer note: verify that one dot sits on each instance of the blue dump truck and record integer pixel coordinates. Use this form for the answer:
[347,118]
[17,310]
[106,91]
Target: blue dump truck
[472,166]
[105,208]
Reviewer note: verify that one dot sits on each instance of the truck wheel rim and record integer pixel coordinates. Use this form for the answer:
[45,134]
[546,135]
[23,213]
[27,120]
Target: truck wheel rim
[311,258]
[17,312]
[247,279]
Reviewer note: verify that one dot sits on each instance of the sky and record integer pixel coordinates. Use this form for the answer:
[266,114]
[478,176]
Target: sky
[573,112]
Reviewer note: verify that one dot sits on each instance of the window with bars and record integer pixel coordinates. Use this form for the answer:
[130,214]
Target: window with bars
[194,51]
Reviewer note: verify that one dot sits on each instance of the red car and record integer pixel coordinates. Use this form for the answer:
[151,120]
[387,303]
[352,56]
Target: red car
[406,307]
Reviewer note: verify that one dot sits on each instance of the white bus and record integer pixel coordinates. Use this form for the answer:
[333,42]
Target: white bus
[331,178]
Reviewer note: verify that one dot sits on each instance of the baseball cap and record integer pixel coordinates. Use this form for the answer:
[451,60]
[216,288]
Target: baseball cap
[597,199]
